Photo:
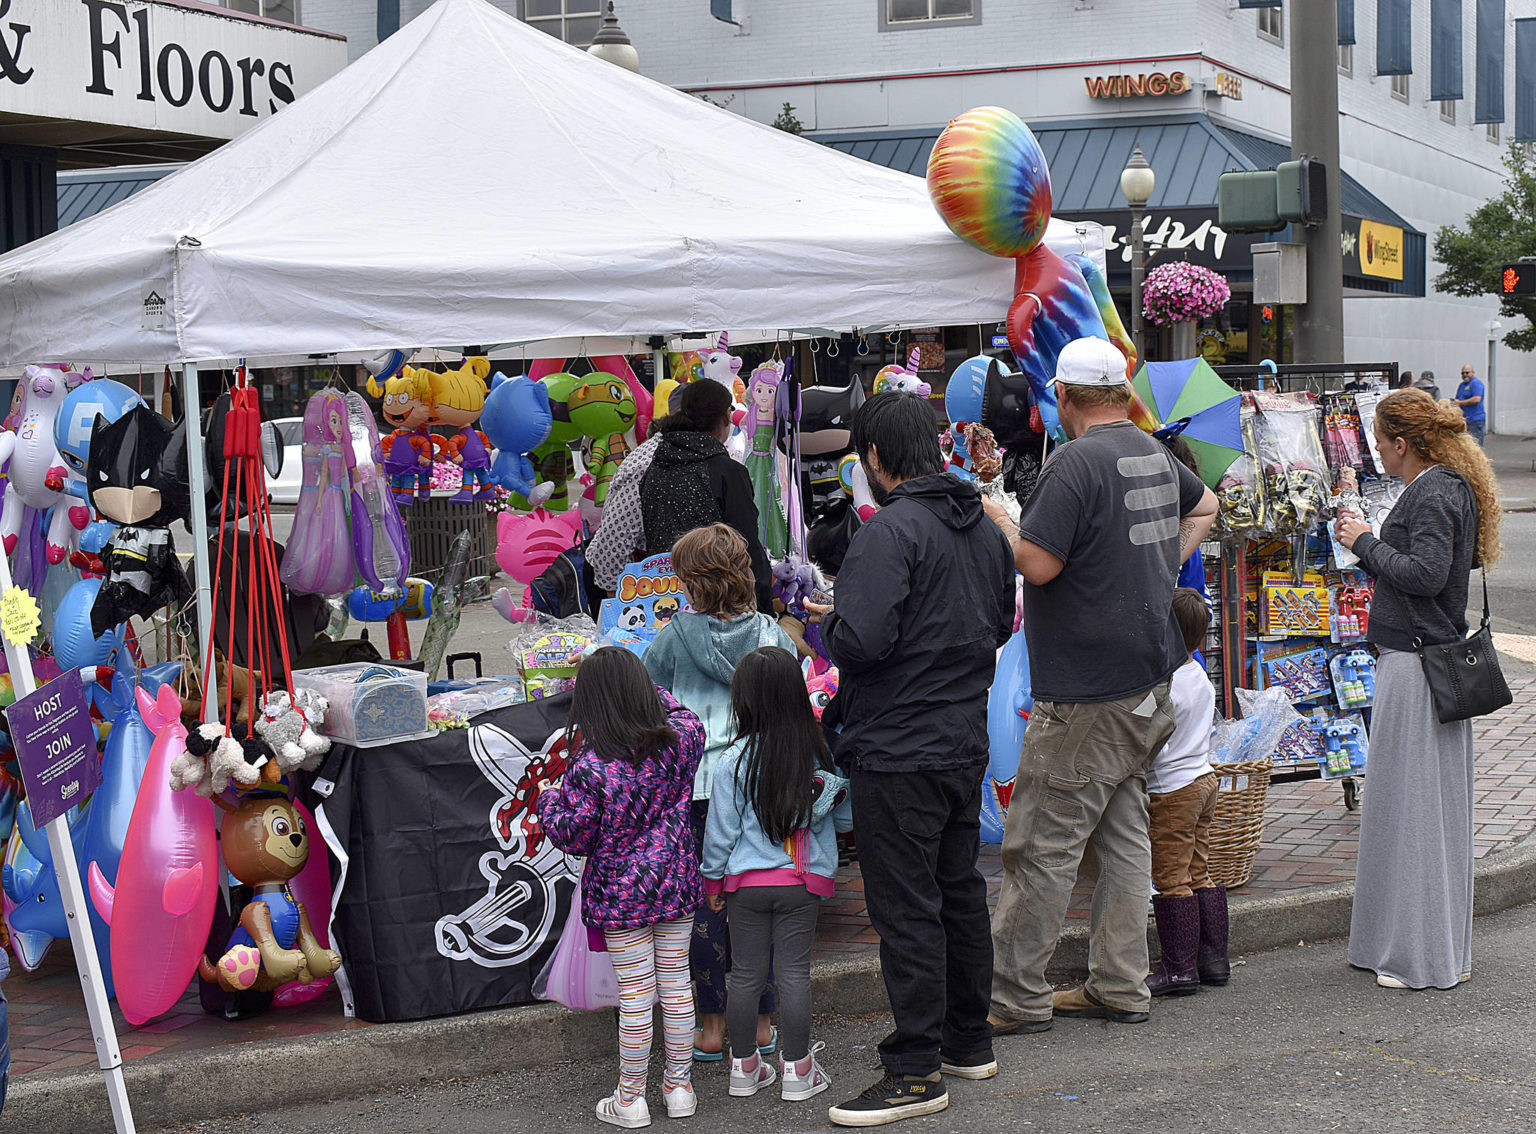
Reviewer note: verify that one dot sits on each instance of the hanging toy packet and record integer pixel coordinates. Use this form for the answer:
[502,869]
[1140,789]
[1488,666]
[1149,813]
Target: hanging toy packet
[1290,454]
[1240,492]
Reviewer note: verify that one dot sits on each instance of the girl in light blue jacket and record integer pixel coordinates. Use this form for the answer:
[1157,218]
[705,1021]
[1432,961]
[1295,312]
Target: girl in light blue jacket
[770,857]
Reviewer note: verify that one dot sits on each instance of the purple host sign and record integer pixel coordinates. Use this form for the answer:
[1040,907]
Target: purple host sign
[55,746]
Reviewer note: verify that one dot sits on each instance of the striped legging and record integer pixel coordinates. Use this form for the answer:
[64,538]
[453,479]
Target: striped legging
[650,960]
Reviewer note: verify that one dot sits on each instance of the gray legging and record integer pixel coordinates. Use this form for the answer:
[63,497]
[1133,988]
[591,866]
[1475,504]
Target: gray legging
[771,927]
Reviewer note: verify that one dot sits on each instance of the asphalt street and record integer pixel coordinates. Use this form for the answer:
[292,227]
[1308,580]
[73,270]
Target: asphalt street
[1298,1042]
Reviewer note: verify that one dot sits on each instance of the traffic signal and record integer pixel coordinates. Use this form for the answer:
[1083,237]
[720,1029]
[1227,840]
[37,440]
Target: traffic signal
[1302,190]
[1518,279]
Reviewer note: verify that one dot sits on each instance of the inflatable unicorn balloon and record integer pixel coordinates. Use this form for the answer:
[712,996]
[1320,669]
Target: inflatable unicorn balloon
[38,474]
[719,365]
[903,378]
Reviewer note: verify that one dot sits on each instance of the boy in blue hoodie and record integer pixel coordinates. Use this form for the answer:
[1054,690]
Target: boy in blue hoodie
[694,658]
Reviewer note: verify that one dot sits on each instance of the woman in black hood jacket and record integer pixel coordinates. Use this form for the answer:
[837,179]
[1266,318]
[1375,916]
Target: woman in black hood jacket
[693,481]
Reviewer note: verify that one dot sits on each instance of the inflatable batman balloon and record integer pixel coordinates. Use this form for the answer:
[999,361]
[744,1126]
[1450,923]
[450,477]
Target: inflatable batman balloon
[137,478]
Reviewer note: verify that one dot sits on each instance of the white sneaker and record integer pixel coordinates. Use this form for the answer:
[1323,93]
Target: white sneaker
[1385,981]
[796,1087]
[630,1115]
[681,1101]
[750,1075]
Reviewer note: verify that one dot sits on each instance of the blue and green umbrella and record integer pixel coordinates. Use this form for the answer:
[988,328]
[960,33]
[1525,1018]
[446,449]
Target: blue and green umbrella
[1189,399]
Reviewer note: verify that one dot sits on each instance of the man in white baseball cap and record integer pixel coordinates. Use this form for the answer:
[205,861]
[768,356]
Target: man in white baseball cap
[1099,545]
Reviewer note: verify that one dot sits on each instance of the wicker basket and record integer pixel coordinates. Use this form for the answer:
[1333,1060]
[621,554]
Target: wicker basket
[1237,831]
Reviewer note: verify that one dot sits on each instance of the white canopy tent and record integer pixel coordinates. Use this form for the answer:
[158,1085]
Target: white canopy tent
[547,195]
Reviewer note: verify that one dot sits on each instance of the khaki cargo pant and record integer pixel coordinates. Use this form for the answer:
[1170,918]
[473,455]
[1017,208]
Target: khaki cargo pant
[1081,784]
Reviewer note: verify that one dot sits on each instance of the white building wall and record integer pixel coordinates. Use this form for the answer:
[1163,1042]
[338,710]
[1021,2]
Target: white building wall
[832,63]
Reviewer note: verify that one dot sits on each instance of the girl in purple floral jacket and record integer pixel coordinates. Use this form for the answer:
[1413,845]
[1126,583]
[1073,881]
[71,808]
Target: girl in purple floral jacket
[624,805]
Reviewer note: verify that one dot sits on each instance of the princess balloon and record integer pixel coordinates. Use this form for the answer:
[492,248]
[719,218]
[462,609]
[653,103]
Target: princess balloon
[763,458]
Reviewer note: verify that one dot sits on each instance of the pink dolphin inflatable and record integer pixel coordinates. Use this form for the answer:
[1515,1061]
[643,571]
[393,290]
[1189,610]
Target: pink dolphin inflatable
[162,906]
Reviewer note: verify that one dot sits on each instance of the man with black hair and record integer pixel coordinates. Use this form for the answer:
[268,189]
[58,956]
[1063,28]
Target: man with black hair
[924,599]
[1098,545]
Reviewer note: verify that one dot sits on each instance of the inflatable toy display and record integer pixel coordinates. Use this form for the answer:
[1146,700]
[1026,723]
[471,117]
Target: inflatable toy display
[37,470]
[763,460]
[517,419]
[720,365]
[102,398]
[903,378]
[409,449]
[379,543]
[988,179]
[311,889]
[137,477]
[526,545]
[457,399]
[320,562]
[266,845]
[1008,707]
[162,903]
[598,406]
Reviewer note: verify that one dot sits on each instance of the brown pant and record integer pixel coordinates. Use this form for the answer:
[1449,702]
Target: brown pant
[1180,828]
[1081,785]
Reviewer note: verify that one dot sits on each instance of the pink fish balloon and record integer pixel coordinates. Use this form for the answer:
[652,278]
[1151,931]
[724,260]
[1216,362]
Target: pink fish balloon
[162,906]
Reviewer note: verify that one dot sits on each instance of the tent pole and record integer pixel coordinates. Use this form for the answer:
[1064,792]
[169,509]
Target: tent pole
[197,483]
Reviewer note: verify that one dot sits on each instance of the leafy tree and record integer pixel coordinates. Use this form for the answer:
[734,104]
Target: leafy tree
[787,121]
[1499,231]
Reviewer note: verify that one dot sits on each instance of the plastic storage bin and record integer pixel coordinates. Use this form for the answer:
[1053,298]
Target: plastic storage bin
[370,704]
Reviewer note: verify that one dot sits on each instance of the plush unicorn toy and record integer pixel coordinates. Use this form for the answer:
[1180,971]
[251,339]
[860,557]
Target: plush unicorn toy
[38,474]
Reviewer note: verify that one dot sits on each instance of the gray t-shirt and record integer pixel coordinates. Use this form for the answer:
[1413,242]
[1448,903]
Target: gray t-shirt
[1108,506]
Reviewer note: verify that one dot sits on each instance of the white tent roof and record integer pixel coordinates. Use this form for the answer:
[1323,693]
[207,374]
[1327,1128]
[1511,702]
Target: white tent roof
[473,180]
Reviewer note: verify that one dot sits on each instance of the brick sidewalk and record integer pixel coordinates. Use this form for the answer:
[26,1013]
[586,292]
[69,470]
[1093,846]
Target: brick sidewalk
[1309,839]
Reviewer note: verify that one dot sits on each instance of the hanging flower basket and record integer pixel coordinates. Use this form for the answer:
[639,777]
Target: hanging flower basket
[1175,292]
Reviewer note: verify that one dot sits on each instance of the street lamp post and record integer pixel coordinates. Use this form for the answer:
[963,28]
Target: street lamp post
[612,44]
[1137,181]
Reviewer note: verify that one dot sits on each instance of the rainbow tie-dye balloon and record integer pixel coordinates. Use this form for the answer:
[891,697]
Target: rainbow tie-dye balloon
[988,179]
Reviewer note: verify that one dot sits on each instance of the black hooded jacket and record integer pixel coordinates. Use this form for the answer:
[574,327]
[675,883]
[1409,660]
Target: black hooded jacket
[923,601]
[692,482]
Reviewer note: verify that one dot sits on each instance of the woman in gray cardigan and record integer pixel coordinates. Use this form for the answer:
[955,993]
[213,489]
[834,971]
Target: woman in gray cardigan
[1412,919]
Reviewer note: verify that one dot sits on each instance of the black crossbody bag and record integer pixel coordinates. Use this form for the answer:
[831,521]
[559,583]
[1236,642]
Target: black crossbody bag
[1464,677]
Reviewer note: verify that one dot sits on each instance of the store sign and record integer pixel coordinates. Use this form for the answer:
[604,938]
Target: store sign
[158,66]
[1191,234]
[1137,86]
[1229,86]
[1372,249]
[1381,250]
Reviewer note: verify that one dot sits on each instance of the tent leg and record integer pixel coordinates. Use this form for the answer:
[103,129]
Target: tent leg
[82,939]
[197,482]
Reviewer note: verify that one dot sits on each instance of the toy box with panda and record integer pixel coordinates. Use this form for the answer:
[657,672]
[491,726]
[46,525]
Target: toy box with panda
[646,598]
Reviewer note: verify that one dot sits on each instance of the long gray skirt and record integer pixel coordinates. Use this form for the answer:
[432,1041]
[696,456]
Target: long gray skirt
[1412,915]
